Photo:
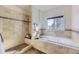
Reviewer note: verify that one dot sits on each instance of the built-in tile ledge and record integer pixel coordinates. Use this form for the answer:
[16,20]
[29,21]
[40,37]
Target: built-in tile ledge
[67,30]
[76,31]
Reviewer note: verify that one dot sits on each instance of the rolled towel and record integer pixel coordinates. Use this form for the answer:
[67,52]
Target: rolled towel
[1,45]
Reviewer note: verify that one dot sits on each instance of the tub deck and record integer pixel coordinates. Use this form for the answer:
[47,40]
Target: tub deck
[50,45]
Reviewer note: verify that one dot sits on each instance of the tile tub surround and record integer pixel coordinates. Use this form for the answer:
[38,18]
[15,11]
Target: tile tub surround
[15,23]
[66,34]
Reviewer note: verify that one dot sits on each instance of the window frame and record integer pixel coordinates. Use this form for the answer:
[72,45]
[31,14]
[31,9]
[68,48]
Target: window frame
[55,28]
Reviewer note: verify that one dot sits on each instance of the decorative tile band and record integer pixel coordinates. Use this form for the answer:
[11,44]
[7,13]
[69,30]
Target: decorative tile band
[13,19]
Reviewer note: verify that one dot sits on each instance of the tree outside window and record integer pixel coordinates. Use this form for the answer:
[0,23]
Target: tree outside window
[56,23]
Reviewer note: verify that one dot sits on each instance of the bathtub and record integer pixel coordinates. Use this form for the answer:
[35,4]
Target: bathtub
[51,44]
[60,40]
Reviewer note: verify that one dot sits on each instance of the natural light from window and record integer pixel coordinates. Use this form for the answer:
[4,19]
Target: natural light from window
[56,23]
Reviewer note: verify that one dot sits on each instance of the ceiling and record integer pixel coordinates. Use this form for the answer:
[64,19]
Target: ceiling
[46,7]
[27,8]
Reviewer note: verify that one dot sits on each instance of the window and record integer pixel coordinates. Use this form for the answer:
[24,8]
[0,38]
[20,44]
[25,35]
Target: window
[56,23]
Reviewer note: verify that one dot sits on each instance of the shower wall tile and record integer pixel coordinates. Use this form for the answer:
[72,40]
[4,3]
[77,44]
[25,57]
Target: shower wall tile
[13,31]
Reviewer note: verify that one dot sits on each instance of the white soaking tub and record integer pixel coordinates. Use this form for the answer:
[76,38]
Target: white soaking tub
[60,40]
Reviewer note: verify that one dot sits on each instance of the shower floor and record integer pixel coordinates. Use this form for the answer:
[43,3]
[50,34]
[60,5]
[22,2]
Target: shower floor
[17,49]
